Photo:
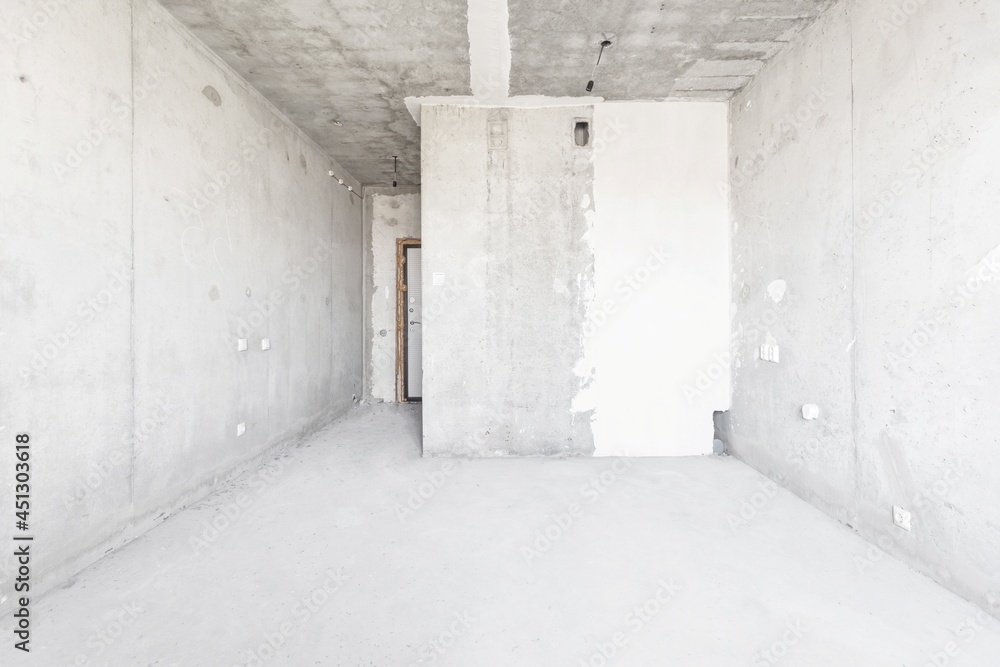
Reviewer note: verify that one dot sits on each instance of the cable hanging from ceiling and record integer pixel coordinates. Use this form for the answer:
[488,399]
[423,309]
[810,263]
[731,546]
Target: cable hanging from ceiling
[590,84]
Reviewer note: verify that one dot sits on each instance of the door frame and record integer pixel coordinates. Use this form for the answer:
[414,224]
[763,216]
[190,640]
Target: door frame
[401,246]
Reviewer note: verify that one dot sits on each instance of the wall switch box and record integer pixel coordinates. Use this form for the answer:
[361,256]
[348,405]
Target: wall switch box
[438,279]
[241,428]
[769,353]
[241,345]
[265,343]
[901,517]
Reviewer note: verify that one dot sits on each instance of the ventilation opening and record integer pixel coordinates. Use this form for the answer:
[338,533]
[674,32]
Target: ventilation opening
[720,418]
[581,133]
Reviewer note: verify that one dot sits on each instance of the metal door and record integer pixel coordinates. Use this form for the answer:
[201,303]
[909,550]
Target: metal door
[414,328]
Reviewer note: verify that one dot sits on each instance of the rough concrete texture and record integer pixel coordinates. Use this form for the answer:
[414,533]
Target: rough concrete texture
[390,214]
[155,209]
[504,201]
[321,62]
[658,555]
[640,241]
[356,62]
[660,50]
[859,160]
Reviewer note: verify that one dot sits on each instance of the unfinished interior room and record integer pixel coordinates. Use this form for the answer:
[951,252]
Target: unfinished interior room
[701,368]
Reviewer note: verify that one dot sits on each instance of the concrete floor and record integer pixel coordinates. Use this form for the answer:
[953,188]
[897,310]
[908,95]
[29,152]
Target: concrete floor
[313,555]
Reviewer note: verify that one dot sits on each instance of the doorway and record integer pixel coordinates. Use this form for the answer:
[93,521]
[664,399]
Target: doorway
[409,324]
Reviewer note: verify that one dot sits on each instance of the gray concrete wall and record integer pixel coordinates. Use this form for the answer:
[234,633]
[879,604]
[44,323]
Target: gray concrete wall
[860,172]
[390,214]
[155,209]
[582,292]
[505,194]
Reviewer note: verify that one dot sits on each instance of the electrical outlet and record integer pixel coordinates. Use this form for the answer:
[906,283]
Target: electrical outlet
[901,517]
[241,428]
[265,343]
[769,353]
[241,345]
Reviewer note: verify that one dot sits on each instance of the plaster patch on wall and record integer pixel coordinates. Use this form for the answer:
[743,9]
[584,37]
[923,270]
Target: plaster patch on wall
[489,49]
[647,361]
[585,399]
[776,290]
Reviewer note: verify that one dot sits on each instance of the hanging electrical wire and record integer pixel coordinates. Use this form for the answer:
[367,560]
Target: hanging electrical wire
[590,84]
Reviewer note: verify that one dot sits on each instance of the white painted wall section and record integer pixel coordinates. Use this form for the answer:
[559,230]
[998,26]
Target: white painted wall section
[489,49]
[658,330]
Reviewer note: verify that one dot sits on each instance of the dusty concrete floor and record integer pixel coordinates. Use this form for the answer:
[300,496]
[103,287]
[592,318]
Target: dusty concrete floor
[648,557]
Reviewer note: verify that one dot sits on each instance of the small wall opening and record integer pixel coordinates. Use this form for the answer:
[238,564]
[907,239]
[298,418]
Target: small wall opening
[581,133]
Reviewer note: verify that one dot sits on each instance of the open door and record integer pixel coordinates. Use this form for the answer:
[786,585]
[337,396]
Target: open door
[409,325]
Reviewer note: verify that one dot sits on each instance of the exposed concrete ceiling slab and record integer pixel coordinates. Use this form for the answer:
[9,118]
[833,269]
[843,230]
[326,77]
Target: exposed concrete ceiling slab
[344,70]
[661,49]
[346,61]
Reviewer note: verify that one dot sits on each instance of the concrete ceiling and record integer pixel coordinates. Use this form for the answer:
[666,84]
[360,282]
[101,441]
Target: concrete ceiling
[660,48]
[355,61]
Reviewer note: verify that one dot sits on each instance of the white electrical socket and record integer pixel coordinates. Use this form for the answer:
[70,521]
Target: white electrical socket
[769,353]
[265,343]
[241,428]
[901,517]
[241,345]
